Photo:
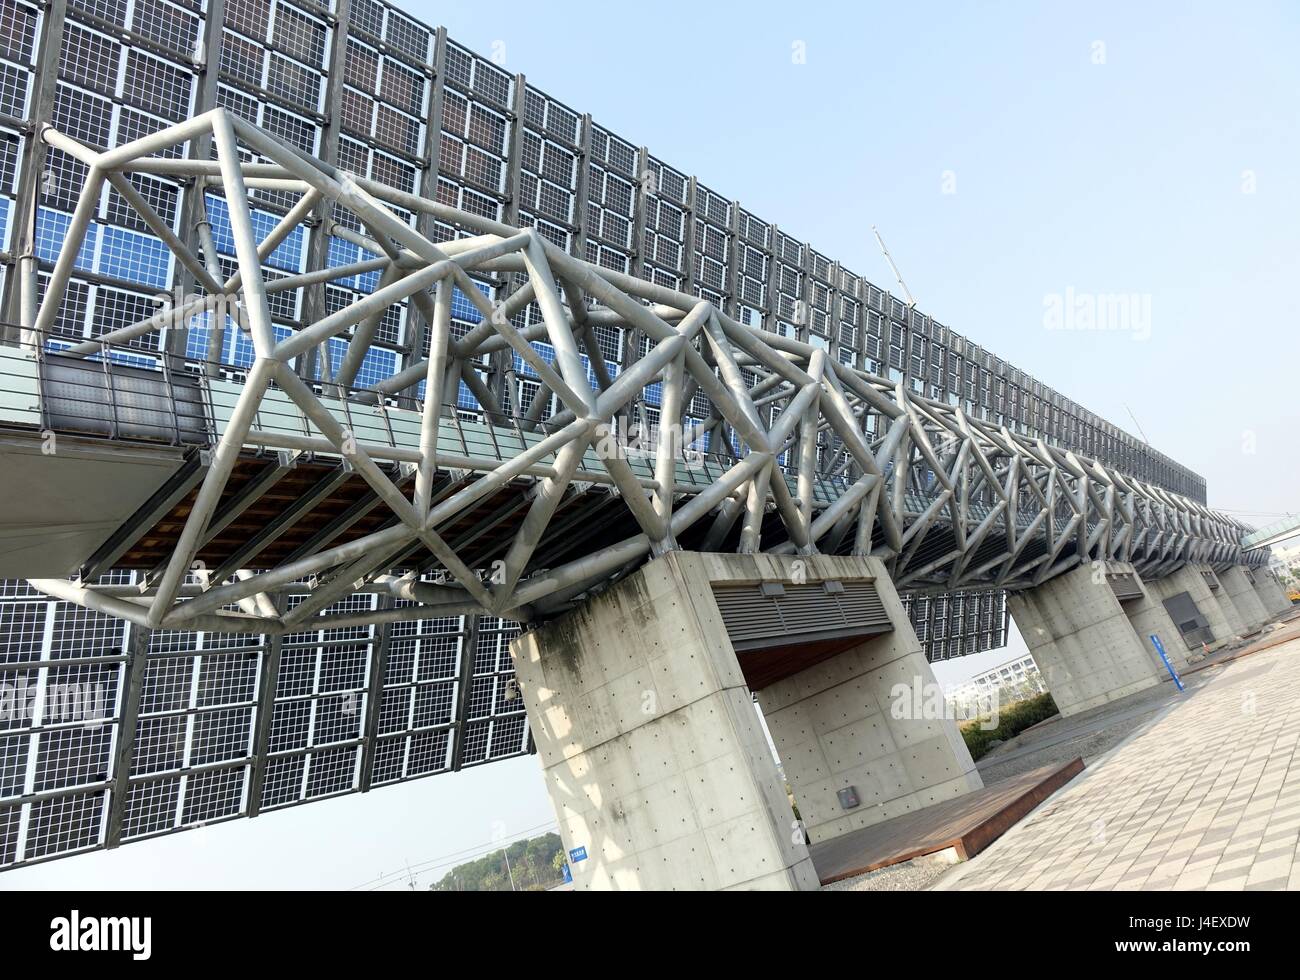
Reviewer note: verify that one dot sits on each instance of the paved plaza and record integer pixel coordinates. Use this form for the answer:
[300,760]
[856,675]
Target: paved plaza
[1206,795]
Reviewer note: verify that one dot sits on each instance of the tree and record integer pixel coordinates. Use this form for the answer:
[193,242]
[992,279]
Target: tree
[535,864]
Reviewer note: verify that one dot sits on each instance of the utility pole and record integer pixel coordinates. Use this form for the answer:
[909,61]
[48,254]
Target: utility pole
[510,874]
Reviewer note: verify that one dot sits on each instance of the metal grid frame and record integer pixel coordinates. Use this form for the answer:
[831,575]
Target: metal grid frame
[550,138]
[121,71]
[812,399]
[224,726]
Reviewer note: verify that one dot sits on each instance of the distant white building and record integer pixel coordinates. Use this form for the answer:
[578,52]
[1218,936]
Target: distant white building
[1014,680]
[1286,559]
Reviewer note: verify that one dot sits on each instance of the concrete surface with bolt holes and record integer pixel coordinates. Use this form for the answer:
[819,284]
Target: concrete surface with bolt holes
[1161,812]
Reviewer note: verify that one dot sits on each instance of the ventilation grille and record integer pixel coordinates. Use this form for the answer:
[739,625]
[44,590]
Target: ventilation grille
[1191,623]
[759,615]
[1125,586]
[1211,579]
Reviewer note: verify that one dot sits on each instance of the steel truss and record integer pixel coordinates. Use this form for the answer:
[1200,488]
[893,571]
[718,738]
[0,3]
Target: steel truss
[949,501]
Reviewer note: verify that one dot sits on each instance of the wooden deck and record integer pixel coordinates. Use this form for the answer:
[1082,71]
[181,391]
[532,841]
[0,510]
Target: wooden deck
[968,824]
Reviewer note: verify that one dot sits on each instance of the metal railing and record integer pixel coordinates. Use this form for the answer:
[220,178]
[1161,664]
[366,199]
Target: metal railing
[128,394]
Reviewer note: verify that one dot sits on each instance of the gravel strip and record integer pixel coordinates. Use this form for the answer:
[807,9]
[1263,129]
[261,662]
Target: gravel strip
[910,876]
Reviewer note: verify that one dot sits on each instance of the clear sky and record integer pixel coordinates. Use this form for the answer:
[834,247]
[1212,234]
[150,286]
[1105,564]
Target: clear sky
[1113,148]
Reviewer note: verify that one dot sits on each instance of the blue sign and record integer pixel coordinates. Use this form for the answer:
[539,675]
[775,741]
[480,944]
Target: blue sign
[578,854]
[1160,649]
[568,875]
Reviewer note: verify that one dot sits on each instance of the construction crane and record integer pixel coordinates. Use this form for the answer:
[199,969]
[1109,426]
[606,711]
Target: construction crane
[1137,423]
[911,300]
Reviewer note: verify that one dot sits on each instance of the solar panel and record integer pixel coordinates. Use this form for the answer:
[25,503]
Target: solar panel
[111,734]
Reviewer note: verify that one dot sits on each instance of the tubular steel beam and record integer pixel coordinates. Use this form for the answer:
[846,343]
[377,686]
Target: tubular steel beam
[838,454]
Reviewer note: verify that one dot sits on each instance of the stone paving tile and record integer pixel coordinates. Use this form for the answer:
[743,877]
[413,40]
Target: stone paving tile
[1205,796]
[1272,885]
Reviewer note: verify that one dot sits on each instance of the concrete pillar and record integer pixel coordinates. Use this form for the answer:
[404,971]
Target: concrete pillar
[1242,593]
[1190,580]
[1147,615]
[1271,594]
[1228,608]
[869,722]
[1082,640]
[1284,604]
[652,751]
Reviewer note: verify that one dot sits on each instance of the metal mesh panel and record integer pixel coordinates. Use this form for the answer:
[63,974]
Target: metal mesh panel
[272,60]
[664,244]
[194,755]
[612,182]
[548,162]
[958,624]
[712,253]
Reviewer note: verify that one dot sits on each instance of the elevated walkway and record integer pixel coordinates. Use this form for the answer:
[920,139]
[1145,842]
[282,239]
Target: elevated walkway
[131,447]
[1275,533]
[104,460]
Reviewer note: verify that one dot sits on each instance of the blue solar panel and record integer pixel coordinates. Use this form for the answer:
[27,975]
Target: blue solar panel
[52,230]
[462,308]
[341,253]
[464,397]
[134,257]
[288,255]
[378,363]
[240,345]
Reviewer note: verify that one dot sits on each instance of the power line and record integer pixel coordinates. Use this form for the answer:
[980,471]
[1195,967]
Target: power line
[414,872]
[454,857]
[1137,423]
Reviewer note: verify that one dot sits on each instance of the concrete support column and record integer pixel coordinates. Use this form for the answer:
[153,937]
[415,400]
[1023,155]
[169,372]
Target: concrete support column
[869,723]
[1082,641]
[1190,580]
[652,750]
[1148,616]
[1228,608]
[1242,593]
[1270,593]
